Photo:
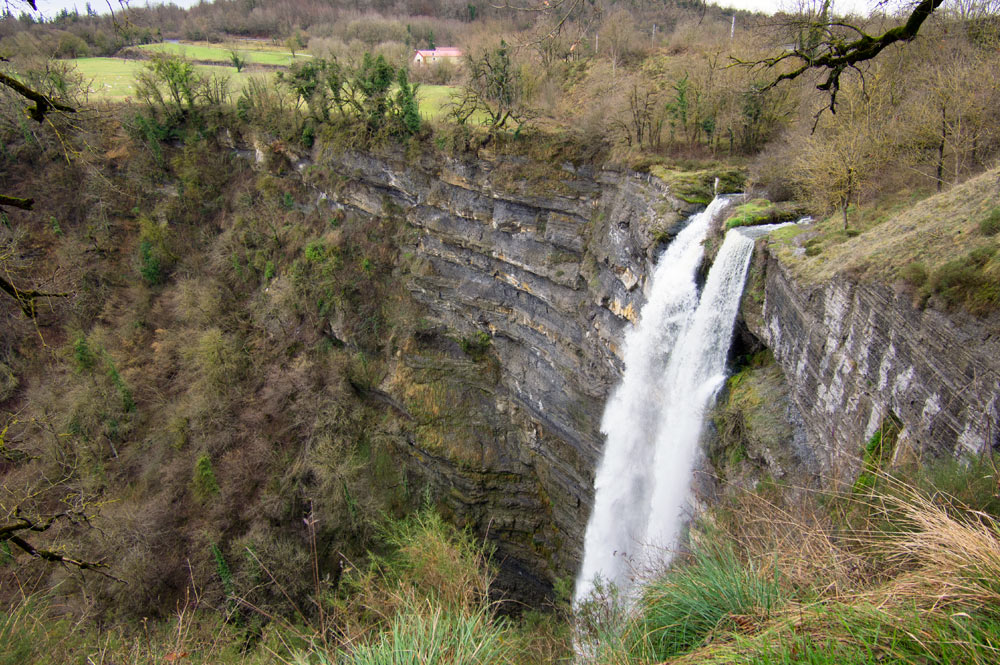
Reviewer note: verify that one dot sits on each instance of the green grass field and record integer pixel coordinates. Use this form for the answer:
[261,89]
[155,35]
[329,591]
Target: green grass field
[112,79]
[434,99]
[255,54]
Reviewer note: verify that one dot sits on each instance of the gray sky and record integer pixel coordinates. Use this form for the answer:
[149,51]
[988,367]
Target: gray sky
[771,6]
[52,7]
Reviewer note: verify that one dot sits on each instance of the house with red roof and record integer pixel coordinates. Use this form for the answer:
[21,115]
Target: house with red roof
[423,57]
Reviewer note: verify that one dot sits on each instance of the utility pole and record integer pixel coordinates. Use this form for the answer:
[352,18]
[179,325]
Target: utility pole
[732,29]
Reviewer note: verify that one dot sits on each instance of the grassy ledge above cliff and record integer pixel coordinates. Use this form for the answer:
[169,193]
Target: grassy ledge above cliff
[943,246]
[699,186]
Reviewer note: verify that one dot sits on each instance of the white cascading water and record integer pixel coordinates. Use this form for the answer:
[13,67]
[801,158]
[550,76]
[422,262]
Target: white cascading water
[675,361]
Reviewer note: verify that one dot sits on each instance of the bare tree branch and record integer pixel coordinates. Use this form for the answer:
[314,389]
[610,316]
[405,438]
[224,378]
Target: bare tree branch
[43,104]
[26,299]
[15,202]
[19,525]
[835,56]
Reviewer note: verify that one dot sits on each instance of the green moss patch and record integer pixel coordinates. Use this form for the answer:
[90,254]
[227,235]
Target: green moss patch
[699,186]
[762,211]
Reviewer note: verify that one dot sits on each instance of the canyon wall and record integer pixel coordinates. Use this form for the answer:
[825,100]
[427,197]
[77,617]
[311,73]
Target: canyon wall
[857,354]
[542,267]
[547,268]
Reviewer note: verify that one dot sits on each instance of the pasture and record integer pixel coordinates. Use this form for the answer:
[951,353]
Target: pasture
[256,54]
[112,79]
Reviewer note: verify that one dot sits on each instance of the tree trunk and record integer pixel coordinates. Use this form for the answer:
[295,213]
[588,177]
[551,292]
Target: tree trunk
[944,136]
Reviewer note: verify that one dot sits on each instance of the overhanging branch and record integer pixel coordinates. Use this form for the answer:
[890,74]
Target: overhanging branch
[836,56]
[12,532]
[26,299]
[43,103]
[15,202]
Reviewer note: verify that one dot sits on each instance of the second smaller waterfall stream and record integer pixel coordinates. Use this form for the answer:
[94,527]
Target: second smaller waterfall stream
[675,361]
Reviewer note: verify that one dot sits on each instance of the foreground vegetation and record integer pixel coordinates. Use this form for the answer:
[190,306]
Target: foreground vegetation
[902,572]
[425,600]
[895,572]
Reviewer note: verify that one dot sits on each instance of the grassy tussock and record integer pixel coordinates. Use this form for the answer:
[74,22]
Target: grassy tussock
[425,634]
[715,591]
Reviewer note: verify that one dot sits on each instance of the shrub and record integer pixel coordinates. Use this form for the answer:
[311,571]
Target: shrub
[270,107]
[965,282]
[477,345]
[238,58]
[82,354]
[990,226]
[315,251]
[128,403]
[222,568]
[169,84]
[914,273]
[203,482]
[433,560]
[149,264]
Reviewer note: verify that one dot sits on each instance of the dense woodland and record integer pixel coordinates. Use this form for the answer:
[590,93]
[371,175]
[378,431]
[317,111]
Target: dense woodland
[191,454]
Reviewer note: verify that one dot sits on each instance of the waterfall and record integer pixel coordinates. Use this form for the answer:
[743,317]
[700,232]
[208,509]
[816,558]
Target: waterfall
[674,364]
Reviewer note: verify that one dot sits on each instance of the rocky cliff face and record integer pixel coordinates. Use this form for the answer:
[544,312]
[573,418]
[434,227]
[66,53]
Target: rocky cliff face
[858,354]
[540,268]
[542,271]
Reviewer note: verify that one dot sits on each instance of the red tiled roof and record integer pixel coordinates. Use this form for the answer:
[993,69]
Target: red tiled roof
[443,52]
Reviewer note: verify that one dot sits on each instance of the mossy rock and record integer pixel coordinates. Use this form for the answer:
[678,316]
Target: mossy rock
[751,423]
[762,211]
[698,187]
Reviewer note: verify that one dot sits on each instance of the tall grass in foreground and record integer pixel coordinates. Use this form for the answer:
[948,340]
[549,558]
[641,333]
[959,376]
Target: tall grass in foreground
[715,591]
[431,635]
[895,575]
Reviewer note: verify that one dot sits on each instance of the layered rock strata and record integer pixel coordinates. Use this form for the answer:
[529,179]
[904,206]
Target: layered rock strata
[857,355]
[548,270]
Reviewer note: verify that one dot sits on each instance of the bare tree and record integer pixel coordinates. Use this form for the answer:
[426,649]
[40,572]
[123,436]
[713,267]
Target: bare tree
[495,90]
[41,105]
[955,110]
[29,512]
[838,160]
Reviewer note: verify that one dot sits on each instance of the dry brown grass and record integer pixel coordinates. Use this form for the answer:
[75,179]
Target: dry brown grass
[908,580]
[935,230]
[798,537]
[951,558]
